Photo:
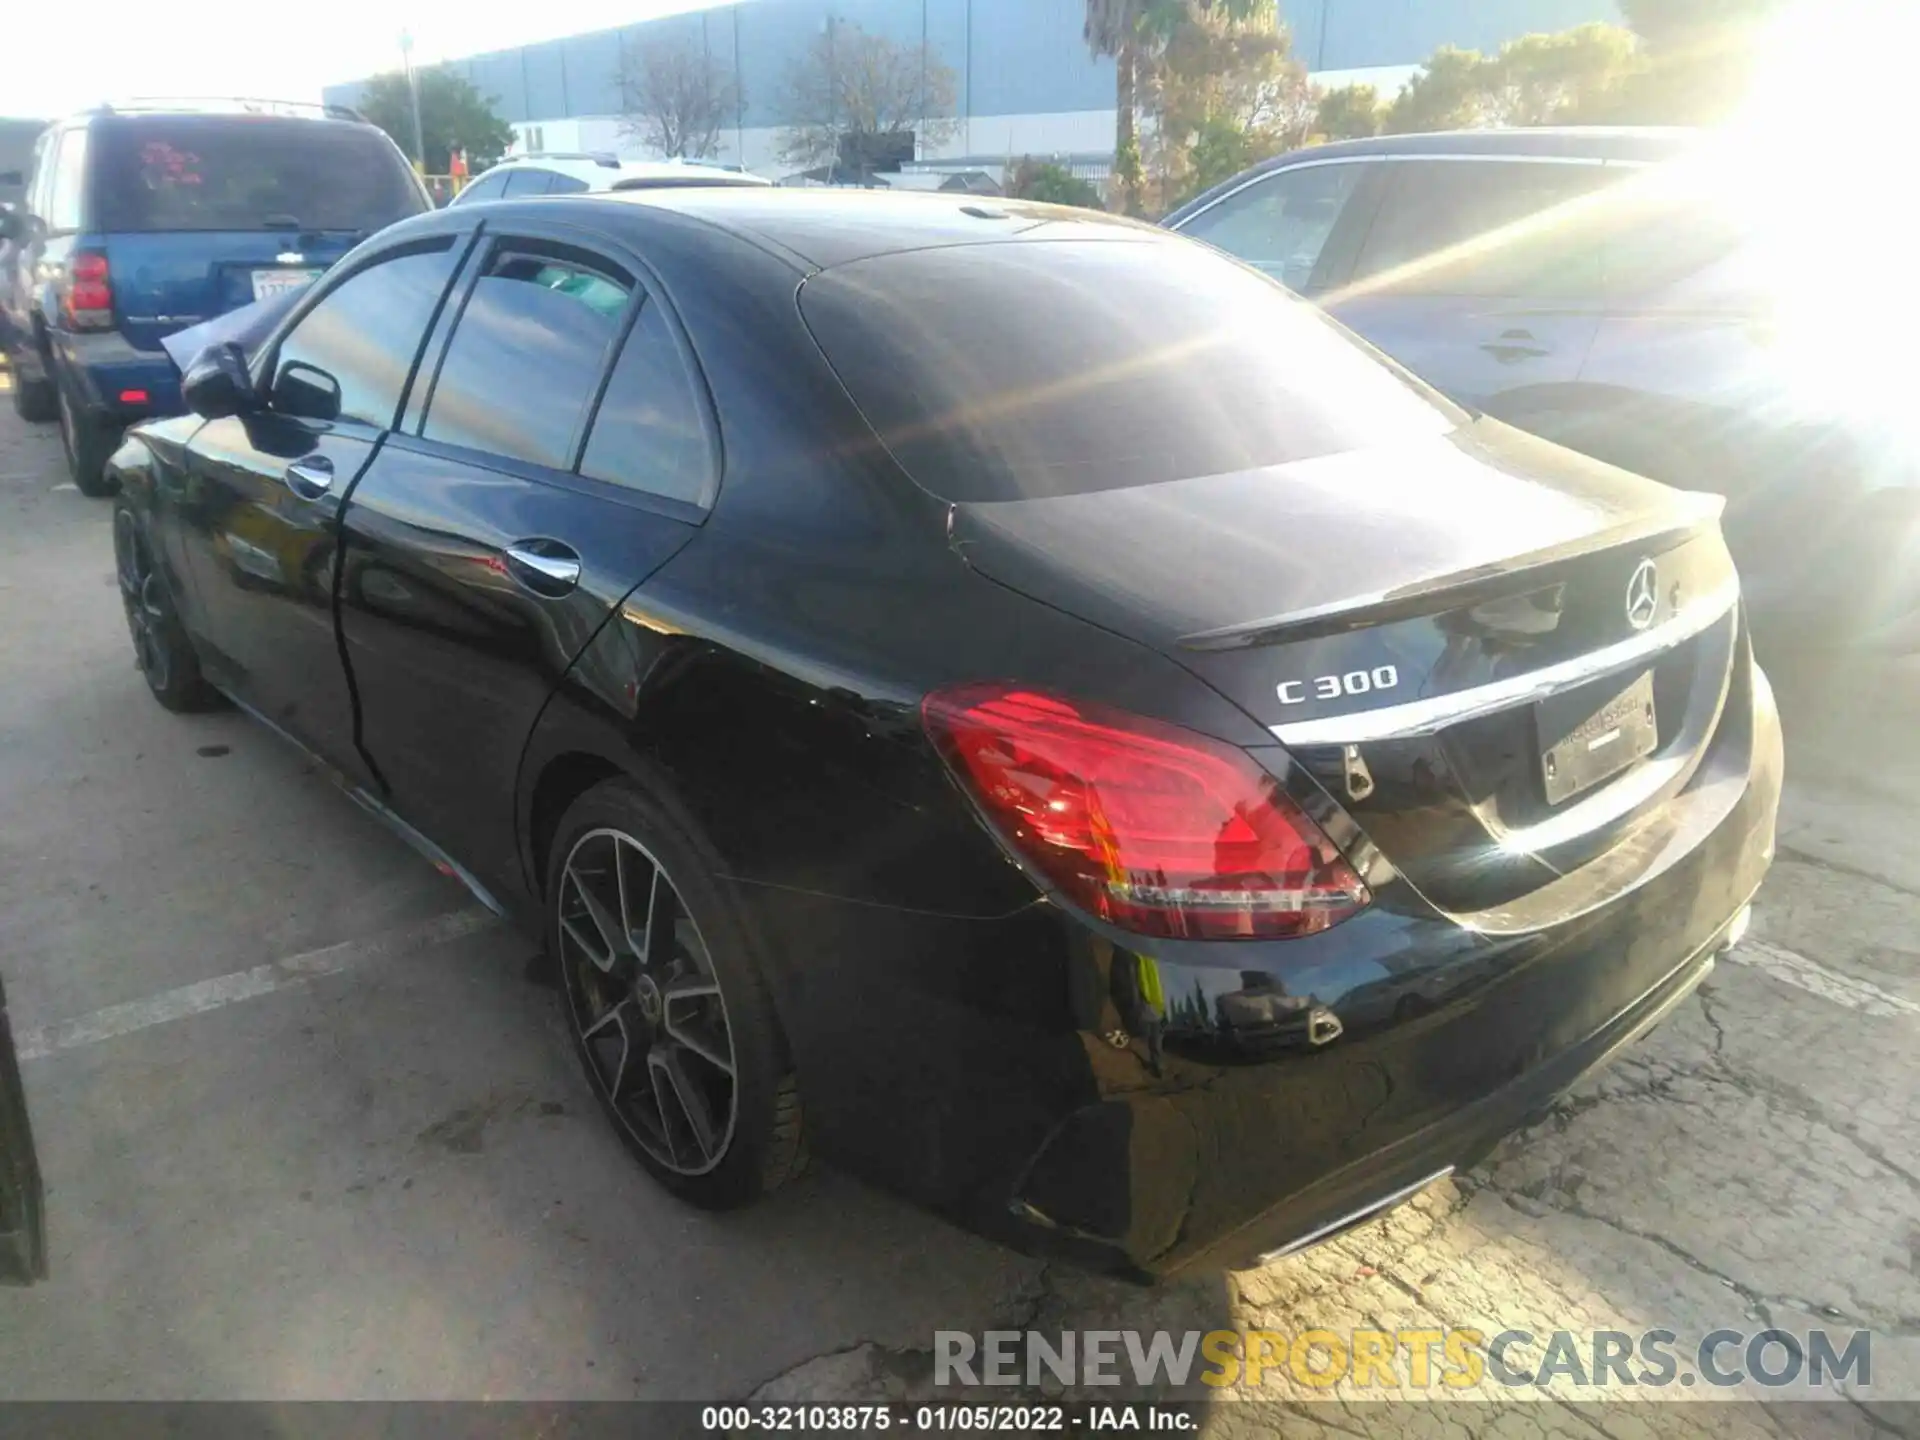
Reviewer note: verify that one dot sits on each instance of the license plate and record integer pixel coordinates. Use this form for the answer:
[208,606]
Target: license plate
[279,282]
[1590,734]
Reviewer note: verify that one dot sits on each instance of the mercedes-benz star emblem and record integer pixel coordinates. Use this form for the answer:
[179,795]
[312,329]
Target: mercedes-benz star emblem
[1643,595]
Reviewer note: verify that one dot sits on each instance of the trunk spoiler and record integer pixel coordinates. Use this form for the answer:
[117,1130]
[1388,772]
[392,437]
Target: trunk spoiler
[1461,588]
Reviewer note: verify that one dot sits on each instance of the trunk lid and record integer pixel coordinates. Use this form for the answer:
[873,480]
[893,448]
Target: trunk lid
[1397,616]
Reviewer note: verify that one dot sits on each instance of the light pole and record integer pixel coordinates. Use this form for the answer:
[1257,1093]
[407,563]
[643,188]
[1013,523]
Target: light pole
[413,94]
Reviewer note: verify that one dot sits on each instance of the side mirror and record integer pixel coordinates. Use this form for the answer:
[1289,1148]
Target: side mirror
[10,221]
[217,383]
[306,392]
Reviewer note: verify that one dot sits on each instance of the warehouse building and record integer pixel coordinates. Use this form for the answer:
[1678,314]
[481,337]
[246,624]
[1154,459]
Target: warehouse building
[1025,83]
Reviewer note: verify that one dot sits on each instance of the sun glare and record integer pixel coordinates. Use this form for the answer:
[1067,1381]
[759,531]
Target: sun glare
[1814,167]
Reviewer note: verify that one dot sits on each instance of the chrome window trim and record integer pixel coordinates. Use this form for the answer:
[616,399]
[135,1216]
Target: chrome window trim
[1280,170]
[1425,717]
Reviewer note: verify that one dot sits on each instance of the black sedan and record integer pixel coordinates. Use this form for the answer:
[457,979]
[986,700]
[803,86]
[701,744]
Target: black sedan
[1006,699]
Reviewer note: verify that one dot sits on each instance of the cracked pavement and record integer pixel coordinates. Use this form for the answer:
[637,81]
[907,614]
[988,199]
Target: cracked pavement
[388,1181]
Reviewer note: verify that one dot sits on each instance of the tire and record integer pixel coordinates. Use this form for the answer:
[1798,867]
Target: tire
[161,648]
[89,445]
[34,399]
[709,1004]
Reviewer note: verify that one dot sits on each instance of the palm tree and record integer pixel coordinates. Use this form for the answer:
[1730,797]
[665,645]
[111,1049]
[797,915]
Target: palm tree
[1125,29]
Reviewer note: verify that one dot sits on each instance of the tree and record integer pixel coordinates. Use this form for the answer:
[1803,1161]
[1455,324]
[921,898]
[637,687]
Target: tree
[1050,184]
[1581,74]
[850,82]
[1550,79]
[453,116]
[1348,113]
[1700,56]
[675,98]
[1670,25]
[1449,93]
[1222,91]
[1130,30]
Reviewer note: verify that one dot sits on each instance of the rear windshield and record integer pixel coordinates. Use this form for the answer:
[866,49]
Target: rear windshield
[1041,368]
[246,172]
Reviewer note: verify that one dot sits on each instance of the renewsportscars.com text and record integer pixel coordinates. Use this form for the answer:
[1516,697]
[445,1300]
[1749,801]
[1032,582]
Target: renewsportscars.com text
[1454,1359]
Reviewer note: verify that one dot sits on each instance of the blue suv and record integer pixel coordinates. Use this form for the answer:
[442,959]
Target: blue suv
[140,221]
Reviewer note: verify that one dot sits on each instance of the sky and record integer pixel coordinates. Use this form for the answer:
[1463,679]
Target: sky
[136,47]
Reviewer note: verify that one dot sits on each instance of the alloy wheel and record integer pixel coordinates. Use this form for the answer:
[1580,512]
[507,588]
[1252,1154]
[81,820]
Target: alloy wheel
[140,595]
[645,1003]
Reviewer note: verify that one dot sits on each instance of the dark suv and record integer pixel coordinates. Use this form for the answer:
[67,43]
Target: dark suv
[141,221]
[1596,287]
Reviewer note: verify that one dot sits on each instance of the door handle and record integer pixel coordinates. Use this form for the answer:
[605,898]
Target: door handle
[545,567]
[310,477]
[1514,345]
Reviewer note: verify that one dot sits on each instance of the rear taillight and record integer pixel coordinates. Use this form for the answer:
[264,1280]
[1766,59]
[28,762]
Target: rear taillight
[1152,828]
[89,295]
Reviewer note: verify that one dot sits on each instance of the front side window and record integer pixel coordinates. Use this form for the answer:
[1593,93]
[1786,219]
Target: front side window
[1488,227]
[527,355]
[647,434]
[365,332]
[1280,224]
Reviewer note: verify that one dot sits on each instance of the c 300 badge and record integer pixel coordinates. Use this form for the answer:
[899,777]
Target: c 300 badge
[1332,687]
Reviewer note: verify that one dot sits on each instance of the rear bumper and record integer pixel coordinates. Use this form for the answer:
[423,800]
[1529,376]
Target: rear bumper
[1207,1103]
[1373,1185]
[105,375]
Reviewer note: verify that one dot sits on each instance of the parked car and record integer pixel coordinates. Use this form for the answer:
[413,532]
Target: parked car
[1596,287]
[143,221]
[576,172]
[985,693]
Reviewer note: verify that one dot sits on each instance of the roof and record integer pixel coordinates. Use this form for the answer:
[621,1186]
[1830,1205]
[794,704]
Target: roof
[1643,143]
[1596,142]
[603,172]
[830,227]
[222,105]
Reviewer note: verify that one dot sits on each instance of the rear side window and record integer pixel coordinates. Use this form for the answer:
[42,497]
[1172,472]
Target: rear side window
[1657,244]
[527,354]
[247,172]
[367,330]
[490,186]
[1039,368]
[1280,224]
[647,433]
[528,182]
[565,184]
[1501,228]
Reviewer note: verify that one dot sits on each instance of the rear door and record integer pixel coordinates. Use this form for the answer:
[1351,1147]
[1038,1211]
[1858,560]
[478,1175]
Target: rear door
[259,514]
[566,452]
[204,213]
[1482,276]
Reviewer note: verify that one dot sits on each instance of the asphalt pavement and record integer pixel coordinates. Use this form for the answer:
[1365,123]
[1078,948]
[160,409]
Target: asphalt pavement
[311,1128]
